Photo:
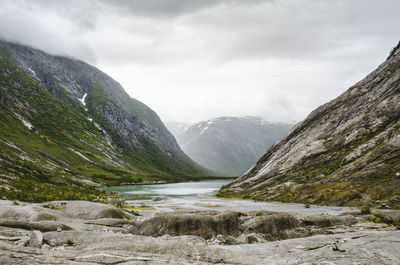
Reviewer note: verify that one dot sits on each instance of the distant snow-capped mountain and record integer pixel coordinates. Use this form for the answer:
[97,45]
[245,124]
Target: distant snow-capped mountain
[230,145]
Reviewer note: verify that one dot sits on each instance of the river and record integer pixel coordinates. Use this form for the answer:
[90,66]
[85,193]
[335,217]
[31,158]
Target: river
[150,199]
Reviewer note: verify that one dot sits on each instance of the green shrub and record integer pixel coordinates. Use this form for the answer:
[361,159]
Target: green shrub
[134,212]
[120,204]
[70,242]
[374,219]
[365,210]
[50,206]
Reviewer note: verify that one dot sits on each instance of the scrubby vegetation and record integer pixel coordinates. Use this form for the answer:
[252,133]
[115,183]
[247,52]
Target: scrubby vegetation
[365,210]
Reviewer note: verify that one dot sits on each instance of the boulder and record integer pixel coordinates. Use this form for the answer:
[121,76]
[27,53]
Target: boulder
[43,226]
[205,224]
[36,239]
[251,238]
[88,210]
[17,212]
[272,227]
[325,220]
[388,216]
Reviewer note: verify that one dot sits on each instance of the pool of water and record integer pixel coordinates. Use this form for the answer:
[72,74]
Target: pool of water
[163,191]
[150,199]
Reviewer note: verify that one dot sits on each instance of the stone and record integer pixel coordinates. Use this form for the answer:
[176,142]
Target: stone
[206,224]
[42,226]
[388,216]
[337,247]
[253,238]
[36,239]
[23,241]
[323,220]
[272,226]
[88,210]
[228,240]
[45,247]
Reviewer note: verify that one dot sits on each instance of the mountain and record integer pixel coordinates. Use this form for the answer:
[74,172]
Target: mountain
[346,152]
[230,145]
[65,125]
[177,128]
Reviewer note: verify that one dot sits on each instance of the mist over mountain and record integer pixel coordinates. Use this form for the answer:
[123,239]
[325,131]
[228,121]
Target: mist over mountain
[230,145]
[177,128]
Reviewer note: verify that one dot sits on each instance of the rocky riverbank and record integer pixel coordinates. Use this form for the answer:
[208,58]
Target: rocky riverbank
[80,232]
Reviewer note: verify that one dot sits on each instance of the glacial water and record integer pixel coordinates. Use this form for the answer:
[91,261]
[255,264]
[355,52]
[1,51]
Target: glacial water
[149,199]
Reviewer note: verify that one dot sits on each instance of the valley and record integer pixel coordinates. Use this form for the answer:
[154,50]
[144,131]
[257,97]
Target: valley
[216,171]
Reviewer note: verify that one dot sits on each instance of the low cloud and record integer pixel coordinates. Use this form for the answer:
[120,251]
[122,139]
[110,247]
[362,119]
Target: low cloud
[199,59]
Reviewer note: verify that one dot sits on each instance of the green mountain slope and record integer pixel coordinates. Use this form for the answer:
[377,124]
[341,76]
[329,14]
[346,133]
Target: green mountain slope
[346,152]
[54,145]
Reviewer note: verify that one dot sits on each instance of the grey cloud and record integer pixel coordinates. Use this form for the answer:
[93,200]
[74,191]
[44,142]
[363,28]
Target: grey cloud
[274,58]
[171,8]
[38,27]
[298,29]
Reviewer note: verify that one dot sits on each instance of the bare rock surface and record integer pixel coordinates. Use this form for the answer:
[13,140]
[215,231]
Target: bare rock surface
[197,237]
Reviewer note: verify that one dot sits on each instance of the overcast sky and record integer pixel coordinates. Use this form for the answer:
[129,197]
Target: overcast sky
[193,60]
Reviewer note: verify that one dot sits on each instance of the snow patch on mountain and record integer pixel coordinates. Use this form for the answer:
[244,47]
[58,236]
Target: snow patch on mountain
[26,123]
[83,101]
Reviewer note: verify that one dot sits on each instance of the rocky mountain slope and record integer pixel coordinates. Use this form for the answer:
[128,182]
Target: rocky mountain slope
[64,123]
[230,145]
[346,152]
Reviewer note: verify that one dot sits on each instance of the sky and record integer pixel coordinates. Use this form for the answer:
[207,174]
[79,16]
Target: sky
[193,60]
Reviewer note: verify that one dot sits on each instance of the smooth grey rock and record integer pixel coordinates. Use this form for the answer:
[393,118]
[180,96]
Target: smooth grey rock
[36,239]
[325,220]
[46,247]
[273,227]
[364,243]
[23,241]
[388,216]
[111,222]
[43,226]
[204,224]
[88,210]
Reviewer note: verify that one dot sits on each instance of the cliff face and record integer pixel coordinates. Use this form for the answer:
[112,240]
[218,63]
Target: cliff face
[70,120]
[346,152]
[230,145]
